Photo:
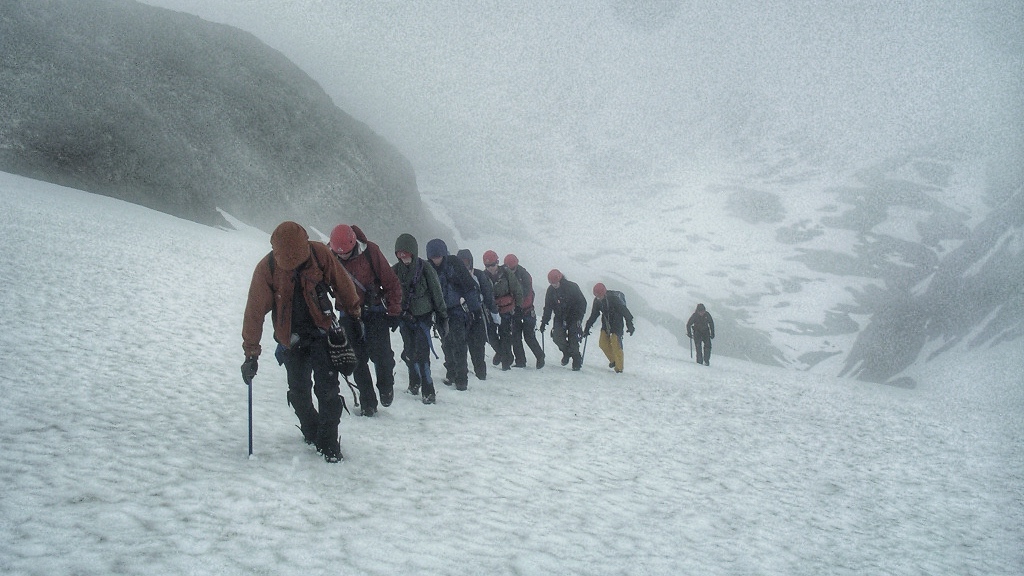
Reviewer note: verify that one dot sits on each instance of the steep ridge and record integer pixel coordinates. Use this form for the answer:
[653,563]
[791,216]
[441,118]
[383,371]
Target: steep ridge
[185,116]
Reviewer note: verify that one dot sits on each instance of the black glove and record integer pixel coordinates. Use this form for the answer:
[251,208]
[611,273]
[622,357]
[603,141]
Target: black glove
[359,329]
[630,330]
[543,326]
[393,322]
[249,368]
[517,314]
[586,332]
[442,328]
[690,336]
[407,317]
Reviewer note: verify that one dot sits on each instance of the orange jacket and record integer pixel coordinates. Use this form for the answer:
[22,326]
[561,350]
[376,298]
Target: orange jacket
[274,292]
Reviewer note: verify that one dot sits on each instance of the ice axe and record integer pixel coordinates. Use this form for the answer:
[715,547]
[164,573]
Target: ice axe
[249,368]
[250,418]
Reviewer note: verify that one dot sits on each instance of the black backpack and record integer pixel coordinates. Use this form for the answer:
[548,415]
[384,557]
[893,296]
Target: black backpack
[619,296]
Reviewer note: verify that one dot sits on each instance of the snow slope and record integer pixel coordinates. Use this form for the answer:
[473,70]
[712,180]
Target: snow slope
[123,426]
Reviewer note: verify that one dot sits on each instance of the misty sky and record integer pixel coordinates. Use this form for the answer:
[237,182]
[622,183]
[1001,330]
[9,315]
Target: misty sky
[503,96]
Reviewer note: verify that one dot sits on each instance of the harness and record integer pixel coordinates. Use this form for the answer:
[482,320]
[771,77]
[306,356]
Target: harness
[410,289]
[322,289]
[373,301]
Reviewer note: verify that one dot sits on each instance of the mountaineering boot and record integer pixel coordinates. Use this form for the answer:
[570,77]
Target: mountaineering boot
[307,438]
[368,410]
[565,358]
[415,380]
[540,363]
[428,399]
[387,396]
[331,451]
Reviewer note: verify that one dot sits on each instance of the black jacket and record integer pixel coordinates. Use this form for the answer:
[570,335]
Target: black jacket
[700,326]
[486,291]
[566,302]
[613,311]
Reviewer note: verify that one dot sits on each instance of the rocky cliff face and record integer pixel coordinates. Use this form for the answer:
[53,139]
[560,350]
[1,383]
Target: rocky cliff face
[178,114]
[970,298]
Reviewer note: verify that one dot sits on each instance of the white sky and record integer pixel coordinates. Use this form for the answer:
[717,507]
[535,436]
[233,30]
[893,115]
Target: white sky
[123,426]
[516,98]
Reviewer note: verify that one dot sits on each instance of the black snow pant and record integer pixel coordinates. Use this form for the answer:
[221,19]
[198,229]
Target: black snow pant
[525,329]
[501,341]
[702,342]
[306,363]
[566,336]
[476,339]
[456,348]
[375,346]
[416,354]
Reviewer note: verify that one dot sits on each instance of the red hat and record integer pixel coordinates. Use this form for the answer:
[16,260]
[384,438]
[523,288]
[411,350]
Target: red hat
[511,261]
[600,290]
[490,257]
[554,277]
[343,239]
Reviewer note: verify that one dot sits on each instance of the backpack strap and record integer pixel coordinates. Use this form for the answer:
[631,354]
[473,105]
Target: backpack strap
[416,275]
[377,287]
[355,280]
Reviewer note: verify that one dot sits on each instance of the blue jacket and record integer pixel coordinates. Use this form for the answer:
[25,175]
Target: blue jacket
[457,285]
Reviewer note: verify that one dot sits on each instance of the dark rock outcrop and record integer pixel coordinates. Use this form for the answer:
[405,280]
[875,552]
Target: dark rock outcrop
[172,112]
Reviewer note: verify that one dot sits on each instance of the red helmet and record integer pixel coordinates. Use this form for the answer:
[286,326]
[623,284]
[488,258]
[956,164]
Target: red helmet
[600,290]
[511,261]
[554,277]
[343,239]
[490,257]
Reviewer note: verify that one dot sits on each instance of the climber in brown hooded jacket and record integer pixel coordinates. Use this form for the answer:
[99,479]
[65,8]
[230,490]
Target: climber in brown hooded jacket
[300,328]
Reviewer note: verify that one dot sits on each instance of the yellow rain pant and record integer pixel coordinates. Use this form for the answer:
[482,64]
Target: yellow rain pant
[611,345]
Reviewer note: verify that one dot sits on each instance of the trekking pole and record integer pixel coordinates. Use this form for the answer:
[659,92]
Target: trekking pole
[583,354]
[691,346]
[250,420]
